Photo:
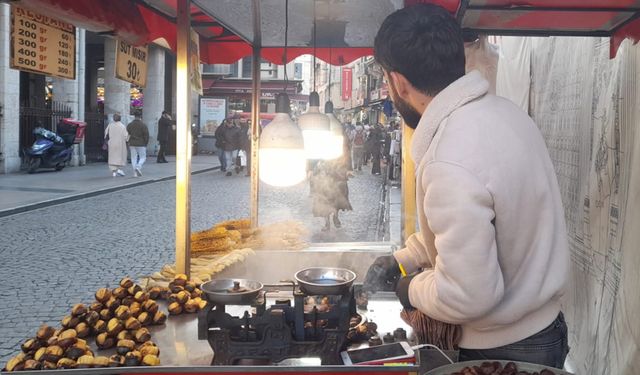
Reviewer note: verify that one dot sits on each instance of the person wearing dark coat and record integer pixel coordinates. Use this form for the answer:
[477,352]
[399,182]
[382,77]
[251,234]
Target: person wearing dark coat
[164,125]
[230,143]
[375,137]
[138,140]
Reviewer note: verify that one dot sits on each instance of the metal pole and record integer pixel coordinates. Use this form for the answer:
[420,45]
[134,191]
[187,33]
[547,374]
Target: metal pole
[255,112]
[408,186]
[183,141]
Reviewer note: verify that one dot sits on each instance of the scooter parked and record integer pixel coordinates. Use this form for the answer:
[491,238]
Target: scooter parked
[51,150]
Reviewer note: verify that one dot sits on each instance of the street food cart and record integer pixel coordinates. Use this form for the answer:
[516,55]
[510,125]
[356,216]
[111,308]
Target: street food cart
[337,32]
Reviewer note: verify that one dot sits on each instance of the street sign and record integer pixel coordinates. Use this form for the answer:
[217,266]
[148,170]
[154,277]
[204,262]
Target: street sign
[131,63]
[42,44]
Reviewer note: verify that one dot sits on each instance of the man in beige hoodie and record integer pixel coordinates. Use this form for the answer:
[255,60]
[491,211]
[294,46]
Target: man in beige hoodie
[491,254]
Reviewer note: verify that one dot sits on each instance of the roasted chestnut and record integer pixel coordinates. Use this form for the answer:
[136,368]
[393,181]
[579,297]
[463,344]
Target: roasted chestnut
[78,309]
[180,279]
[159,318]
[145,318]
[154,293]
[53,353]
[30,345]
[96,306]
[66,363]
[84,361]
[175,288]
[126,283]
[132,358]
[105,314]
[45,332]
[125,335]
[32,364]
[70,321]
[132,324]
[174,308]
[104,341]
[39,355]
[74,352]
[191,306]
[112,304]
[142,335]
[120,292]
[83,330]
[150,306]
[68,333]
[135,308]
[196,293]
[116,360]
[91,317]
[15,364]
[125,346]
[100,326]
[122,312]
[151,360]
[103,295]
[114,326]
[141,296]
[127,301]
[149,349]
[100,361]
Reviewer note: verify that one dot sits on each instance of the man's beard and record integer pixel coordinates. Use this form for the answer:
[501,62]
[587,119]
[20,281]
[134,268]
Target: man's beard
[411,116]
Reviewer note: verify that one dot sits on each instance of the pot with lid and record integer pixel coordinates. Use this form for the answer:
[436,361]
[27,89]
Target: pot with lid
[231,291]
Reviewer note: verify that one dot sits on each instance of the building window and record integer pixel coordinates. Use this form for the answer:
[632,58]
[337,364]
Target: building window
[297,71]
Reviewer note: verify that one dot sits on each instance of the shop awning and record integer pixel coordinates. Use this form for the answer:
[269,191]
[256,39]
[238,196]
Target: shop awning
[269,89]
[342,31]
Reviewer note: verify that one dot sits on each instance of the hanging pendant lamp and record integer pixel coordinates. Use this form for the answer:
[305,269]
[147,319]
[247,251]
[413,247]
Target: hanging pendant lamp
[337,136]
[316,130]
[282,154]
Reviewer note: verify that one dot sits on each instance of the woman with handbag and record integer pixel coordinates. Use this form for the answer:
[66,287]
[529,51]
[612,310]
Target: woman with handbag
[116,136]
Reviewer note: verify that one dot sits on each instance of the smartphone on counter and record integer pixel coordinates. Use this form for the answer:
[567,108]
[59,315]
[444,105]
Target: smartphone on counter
[377,354]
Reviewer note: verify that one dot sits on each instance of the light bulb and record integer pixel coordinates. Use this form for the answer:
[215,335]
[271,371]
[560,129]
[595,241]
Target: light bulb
[336,138]
[316,130]
[281,155]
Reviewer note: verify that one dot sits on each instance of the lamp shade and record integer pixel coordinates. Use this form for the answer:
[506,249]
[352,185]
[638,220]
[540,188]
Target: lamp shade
[316,130]
[337,138]
[282,159]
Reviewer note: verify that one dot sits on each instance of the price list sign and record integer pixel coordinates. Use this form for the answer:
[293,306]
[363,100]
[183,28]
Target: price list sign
[131,63]
[42,44]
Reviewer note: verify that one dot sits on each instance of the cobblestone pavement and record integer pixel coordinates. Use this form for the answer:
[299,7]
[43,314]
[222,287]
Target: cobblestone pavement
[57,256]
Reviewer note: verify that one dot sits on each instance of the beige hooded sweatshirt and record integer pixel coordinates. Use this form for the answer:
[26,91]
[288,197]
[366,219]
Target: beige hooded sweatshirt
[492,236]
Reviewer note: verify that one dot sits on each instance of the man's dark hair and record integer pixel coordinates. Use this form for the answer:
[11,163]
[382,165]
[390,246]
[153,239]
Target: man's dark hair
[423,43]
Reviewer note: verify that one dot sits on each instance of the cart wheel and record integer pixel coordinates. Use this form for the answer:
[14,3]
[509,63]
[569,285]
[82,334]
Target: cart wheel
[34,164]
[59,167]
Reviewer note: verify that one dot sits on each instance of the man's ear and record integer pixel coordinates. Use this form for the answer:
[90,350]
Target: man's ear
[402,85]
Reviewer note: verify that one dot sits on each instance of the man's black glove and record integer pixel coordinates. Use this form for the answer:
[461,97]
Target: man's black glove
[382,275]
[402,291]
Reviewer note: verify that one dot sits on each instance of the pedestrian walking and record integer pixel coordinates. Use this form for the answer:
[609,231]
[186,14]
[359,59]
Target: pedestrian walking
[230,143]
[374,141]
[219,145]
[330,191]
[138,140]
[116,137]
[164,124]
[359,139]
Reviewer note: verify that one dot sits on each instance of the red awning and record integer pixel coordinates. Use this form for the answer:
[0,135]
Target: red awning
[342,31]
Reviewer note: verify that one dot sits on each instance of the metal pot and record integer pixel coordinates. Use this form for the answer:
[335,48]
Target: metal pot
[231,291]
[325,280]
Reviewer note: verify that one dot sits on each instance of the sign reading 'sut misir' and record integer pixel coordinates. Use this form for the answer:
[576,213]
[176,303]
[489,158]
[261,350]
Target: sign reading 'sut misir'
[131,63]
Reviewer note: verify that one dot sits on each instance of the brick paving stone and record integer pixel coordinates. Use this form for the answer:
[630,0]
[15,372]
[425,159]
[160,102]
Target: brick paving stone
[57,256]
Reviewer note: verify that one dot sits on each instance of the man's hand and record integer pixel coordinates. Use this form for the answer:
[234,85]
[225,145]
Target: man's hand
[382,275]
[402,291]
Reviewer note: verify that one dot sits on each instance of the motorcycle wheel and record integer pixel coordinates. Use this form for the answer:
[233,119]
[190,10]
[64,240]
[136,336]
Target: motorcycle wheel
[34,164]
[59,167]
